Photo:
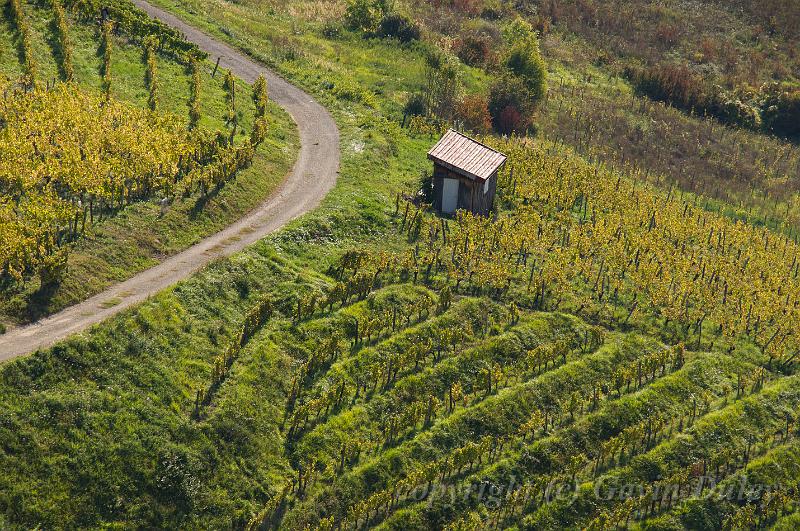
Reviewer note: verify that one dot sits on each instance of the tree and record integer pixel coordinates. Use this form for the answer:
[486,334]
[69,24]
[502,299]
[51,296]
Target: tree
[516,93]
[473,113]
[400,27]
[525,60]
[442,84]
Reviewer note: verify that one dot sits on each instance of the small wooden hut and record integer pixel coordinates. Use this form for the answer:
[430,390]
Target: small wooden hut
[464,174]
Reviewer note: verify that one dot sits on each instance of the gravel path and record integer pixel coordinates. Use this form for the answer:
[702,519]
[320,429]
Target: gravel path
[313,175]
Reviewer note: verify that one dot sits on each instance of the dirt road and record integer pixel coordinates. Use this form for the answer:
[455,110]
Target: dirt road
[313,175]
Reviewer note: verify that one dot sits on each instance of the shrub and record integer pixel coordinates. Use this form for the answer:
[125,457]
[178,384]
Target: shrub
[365,15]
[400,27]
[781,110]
[260,96]
[351,91]
[525,60]
[510,121]
[733,109]
[679,86]
[510,105]
[518,30]
[474,50]
[473,113]
[442,84]
[53,269]
[670,83]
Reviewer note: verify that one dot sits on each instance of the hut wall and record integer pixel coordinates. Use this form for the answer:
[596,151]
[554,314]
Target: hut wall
[470,193]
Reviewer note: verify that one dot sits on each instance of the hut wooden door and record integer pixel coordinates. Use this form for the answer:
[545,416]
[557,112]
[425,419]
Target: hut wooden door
[449,195]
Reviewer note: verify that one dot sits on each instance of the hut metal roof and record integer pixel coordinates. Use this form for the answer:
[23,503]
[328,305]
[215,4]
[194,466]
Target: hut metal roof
[466,156]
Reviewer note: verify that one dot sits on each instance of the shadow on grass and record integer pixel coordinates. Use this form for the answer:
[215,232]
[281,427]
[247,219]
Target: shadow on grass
[39,302]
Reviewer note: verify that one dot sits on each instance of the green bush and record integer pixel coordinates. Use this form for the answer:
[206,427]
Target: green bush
[674,84]
[734,109]
[365,15]
[525,60]
[775,108]
[349,91]
[514,95]
[443,83]
[400,27]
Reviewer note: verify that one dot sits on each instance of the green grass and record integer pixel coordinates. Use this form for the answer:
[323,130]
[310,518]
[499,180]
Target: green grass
[140,237]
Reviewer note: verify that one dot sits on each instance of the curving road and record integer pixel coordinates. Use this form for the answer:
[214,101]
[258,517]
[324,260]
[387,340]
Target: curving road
[313,175]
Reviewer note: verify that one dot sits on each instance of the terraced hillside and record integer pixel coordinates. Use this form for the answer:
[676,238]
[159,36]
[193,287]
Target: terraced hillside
[366,398]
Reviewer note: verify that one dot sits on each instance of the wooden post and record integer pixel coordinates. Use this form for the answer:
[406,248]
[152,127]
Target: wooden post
[216,66]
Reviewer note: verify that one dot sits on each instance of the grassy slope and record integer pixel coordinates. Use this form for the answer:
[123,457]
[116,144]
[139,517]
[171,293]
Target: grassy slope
[378,158]
[752,172]
[121,246]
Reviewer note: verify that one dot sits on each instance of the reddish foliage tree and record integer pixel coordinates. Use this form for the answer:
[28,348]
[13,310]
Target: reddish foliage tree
[510,105]
[473,112]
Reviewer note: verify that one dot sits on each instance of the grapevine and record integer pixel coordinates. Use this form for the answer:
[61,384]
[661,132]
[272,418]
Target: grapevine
[23,30]
[64,43]
[151,73]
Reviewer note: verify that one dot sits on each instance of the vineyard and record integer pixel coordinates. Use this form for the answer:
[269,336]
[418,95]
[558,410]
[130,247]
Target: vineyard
[442,421]
[75,157]
[581,236]
[440,387]
[615,347]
